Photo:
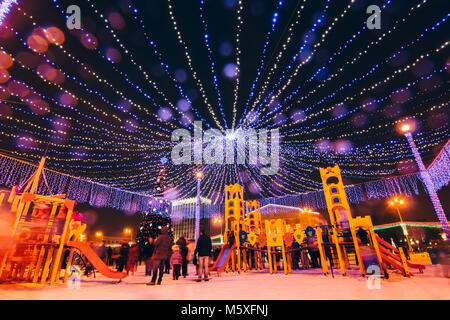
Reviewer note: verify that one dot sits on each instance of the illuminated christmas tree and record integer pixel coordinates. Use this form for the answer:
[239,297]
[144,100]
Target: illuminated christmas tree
[157,214]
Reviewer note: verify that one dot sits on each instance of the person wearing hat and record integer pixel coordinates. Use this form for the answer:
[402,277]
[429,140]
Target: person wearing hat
[176,260]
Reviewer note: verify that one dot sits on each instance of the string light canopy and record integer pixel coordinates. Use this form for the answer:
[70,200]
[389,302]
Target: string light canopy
[108,96]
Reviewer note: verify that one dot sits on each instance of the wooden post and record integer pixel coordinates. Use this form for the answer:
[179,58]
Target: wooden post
[56,262]
[338,251]
[283,254]
[37,175]
[356,245]
[322,251]
[45,271]
[404,263]
[269,256]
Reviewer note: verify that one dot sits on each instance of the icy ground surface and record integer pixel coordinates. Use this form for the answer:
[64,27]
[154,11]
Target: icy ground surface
[309,284]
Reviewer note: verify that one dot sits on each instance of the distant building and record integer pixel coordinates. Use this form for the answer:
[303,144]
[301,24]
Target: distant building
[183,216]
[293,215]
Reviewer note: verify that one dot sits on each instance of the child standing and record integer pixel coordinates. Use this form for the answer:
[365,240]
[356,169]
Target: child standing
[175,260]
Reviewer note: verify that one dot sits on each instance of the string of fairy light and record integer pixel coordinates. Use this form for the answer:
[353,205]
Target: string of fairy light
[359,54]
[262,62]
[141,69]
[239,24]
[116,131]
[211,61]
[406,68]
[191,68]
[100,80]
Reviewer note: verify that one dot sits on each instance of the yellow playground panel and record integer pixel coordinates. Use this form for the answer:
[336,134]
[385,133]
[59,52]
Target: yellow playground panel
[344,231]
[41,228]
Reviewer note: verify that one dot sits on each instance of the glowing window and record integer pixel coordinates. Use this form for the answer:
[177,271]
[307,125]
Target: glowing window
[336,200]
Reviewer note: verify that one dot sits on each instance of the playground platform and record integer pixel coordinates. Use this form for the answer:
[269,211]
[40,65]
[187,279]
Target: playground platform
[254,285]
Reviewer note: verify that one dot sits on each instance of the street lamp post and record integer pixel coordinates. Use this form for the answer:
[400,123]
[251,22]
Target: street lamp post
[396,203]
[130,232]
[218,220]
[99,234]
[406,130]
[199,176]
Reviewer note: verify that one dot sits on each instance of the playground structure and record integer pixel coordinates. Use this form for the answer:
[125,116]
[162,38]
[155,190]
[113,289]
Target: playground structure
[253,236]
[45,233]
[46,230]
[346,243]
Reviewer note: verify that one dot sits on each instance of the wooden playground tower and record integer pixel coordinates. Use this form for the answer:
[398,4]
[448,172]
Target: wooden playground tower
[341,222]
[243,218]
[41,228]
[234,220]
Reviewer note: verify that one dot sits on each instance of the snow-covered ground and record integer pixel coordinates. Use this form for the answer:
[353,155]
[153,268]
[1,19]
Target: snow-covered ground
[308,284]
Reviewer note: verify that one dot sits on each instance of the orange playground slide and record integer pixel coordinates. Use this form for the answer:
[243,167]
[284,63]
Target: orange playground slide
[222,259]
[96,261]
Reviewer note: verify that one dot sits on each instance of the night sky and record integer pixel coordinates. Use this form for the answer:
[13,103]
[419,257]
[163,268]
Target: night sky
[336,94]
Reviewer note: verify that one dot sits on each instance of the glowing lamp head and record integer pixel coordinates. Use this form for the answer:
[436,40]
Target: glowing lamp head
[391,203]
[199,175]
[405,128]
[402,201]
[98,234]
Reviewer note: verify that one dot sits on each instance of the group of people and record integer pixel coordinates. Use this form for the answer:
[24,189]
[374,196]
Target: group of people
[126,257]
[307,258]
[161,253]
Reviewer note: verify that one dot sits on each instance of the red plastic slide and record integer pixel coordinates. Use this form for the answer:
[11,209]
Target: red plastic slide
[96,261]
[393,263]
[222,259]
[421,267]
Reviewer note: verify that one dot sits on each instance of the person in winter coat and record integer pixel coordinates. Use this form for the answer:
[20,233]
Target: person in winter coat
[123,256]
[203,250]
[313,250]
[147,253]
[175,260]
[182,244]
[162,247]
[109,253]
[133,255]
[362,235]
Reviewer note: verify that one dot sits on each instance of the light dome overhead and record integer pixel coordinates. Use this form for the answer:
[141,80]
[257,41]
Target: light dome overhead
[108,98]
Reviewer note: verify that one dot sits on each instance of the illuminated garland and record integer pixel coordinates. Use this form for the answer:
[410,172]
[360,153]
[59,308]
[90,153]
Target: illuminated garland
[15,172]
[440,169]
[127,159]
[5,6]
